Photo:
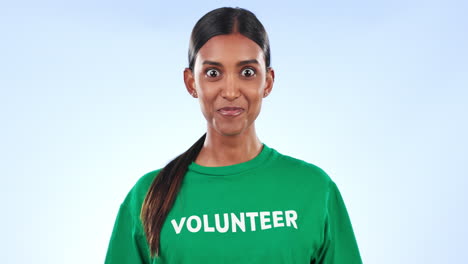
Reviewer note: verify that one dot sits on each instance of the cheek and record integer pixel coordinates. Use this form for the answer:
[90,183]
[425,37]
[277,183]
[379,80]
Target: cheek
[260,81]
[207,98]
[255,88]
[205,89]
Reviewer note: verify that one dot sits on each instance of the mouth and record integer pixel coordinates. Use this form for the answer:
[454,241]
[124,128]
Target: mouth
[231,111]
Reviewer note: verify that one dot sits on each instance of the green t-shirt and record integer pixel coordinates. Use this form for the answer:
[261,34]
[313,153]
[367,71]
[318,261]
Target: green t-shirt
[270,209]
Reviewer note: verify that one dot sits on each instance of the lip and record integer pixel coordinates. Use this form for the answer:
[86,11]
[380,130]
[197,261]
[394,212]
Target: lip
[230,111]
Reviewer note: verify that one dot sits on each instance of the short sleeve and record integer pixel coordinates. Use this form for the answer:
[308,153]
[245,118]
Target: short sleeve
[127,245]
[340,246]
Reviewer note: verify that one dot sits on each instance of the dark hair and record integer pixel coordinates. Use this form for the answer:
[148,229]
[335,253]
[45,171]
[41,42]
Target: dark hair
[165,187]
[224,21]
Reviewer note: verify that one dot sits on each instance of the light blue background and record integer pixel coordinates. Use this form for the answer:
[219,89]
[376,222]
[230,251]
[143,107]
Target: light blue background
[373,92]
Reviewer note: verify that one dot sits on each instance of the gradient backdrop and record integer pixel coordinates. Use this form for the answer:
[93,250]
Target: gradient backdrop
[373,92]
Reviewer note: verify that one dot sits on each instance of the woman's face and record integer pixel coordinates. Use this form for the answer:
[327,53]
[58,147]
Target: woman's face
[230,79]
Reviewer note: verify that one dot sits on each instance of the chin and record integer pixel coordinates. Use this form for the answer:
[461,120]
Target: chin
[230,131]
[234,128]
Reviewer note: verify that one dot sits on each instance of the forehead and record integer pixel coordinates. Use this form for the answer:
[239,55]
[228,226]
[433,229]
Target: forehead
[230,48]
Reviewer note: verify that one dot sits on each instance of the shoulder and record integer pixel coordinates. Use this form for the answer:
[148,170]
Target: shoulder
[302,170]
[135,197]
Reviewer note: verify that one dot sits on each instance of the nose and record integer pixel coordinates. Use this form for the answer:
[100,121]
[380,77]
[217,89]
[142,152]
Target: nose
[230,90]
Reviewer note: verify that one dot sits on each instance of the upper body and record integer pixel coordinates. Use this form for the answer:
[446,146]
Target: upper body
[271,209]
[230,198]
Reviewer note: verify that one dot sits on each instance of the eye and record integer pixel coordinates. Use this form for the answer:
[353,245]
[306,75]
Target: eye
[248,72]
[212,73]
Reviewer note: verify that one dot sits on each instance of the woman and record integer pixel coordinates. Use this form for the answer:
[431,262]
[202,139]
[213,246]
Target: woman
[230,198]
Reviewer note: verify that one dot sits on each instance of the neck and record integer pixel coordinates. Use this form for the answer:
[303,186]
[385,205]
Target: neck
[224,150]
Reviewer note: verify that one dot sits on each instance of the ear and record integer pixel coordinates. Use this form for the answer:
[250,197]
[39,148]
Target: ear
[270,79]
[189,81]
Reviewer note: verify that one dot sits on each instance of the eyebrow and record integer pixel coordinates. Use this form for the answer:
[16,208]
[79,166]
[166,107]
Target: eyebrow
[240,63]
